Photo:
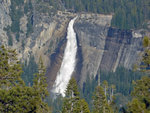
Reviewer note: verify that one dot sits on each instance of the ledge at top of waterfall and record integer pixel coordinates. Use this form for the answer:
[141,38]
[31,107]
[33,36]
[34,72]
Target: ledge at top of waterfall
[68,63]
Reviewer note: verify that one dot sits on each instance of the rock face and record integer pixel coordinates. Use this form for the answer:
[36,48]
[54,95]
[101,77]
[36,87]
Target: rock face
[5,20]
[91,32]
[100,47]
[105,48]
[48,31]
[121,49]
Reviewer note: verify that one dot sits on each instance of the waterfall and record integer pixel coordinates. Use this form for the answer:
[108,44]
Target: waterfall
[68,63]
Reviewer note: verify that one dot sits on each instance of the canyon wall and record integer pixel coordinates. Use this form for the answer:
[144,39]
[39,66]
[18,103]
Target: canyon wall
[100,47]
[104,47]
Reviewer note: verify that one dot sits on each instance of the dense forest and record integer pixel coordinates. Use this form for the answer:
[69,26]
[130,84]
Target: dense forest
[15,96]
[127,14]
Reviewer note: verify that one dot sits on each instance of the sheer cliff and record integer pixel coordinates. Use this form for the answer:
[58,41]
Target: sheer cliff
[105,48]
[100,47]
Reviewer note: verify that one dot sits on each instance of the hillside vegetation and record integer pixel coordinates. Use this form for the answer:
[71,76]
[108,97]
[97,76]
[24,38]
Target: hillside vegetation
[127,13]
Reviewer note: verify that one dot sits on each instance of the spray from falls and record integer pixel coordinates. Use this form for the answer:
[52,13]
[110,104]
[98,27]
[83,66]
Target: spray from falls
[68,63]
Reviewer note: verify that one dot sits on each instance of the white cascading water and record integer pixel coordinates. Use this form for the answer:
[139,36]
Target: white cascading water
[68,63]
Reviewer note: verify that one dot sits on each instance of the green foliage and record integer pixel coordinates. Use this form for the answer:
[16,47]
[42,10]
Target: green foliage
[16,13]
[136,107]
[28,10]
[29,69]
[146,55]
[28,7]
[146,41]
[141,94]
[100,101]
[81,106]
[72,102]
[39,82]
[10,68]
[18,9]
[127,13]
[48,7]
[72,89]
[20,99]
[121,79]
[29,25]
[88,89]
[15,97]
[141,90]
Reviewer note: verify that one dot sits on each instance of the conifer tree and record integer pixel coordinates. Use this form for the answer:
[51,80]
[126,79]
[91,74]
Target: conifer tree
[81,107]
[100,101]
[136,106]
[72,101]
[10,69]
[39,82]
[141,93]
[15,97]
[40,87]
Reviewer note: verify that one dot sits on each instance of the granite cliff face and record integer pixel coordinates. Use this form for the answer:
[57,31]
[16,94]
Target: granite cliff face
[91,32]
[48,31]
[105,48]
[122,48]
[100,47]
[5,20]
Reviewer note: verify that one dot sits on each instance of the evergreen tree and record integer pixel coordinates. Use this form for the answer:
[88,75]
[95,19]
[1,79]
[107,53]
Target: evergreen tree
[72,102]
[100,101]
[40,87]
[39,82]
[29,69]
[137,107]
[81,107]
[15,97]
[141,93]
[10,69]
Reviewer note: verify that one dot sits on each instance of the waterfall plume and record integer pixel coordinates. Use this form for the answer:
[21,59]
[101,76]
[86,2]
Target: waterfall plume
[68,62]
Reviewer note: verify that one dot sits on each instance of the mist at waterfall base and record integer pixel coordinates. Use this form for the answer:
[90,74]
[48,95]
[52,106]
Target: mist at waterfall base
[68,63]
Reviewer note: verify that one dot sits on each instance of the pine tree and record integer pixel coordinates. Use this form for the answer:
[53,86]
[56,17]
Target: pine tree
[72,102]
[141,93]
[81,107]
[100,101]
[10,69]
[137,107]
[39,82]
[15,97]
[40,87]
[141,96]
